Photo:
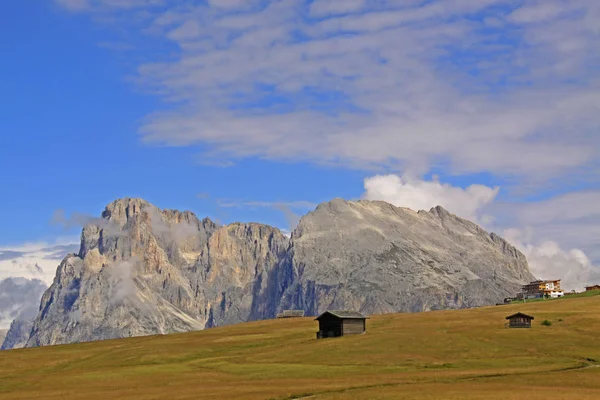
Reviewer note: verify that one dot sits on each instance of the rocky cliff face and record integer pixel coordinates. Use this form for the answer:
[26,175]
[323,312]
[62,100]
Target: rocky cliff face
[141,270]
[373,257]
[18,334]
[3,333]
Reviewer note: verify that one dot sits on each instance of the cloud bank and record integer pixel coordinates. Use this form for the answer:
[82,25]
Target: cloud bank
[504,86]
[19,298]
[34,260]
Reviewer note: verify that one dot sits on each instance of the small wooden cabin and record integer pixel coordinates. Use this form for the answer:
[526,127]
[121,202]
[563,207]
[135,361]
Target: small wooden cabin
[334,323]
[590,288]
[291,314]
[519,320]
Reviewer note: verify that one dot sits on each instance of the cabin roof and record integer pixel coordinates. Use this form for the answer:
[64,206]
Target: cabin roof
[519,314]
[343,314]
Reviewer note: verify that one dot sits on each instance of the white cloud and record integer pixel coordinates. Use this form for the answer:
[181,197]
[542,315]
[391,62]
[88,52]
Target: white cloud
[571,219]
[35,260]
[19,298]
[401,85]
[320,8]
[121,278]
[81,220]
[177,231]
[230,4]
[106,5]
[547,260]
[566,207]
[537,12]
[418,194]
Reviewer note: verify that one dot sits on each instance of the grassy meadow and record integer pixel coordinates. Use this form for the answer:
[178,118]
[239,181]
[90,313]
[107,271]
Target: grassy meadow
[465,354]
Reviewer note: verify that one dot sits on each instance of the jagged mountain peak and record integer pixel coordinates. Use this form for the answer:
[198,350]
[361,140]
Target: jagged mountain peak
[440,211]
[120,210]
[144,270]
[352,215]
[339,205]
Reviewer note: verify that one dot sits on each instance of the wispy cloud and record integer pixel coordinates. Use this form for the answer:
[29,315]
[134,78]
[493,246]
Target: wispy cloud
[19,298]
[80,220]
[286,207]
[121,279]
[325,8]
[107,5]
[497,85]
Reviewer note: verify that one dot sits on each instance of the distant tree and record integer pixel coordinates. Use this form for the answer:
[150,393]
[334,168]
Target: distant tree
[546,322]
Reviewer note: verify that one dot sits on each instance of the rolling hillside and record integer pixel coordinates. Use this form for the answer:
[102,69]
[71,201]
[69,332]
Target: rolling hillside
[461,354]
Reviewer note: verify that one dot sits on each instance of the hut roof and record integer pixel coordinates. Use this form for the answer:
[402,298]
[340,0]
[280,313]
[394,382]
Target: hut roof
[344,314]
[519,314]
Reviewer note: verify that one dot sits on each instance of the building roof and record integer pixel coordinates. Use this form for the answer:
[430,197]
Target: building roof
[519,314]
[344,314]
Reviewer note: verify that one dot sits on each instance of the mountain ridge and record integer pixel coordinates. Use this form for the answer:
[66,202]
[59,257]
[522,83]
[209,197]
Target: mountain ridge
[142,270]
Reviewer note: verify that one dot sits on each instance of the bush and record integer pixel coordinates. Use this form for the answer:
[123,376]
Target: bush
[546,322]
[560,320]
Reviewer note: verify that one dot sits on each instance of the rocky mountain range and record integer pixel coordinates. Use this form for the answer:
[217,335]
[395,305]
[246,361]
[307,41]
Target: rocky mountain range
[141,270]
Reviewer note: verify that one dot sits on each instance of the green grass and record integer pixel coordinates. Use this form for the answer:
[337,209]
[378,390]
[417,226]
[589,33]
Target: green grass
[462,354]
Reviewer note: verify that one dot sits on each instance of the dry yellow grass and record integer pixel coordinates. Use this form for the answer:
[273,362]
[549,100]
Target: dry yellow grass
[466,354]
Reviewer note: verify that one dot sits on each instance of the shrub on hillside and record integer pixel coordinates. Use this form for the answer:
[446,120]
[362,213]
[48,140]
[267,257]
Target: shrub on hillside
[546,322]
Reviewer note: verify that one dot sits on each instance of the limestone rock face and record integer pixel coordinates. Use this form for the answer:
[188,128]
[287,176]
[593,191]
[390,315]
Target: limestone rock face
[16,337]
[373,257]
[141,270]
[3,333]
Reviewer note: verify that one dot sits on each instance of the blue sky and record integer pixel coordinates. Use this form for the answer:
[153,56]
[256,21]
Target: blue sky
[230,107]
[71,140]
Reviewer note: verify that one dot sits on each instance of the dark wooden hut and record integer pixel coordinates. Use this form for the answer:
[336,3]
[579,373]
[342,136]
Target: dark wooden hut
[519,320]
[334,323]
